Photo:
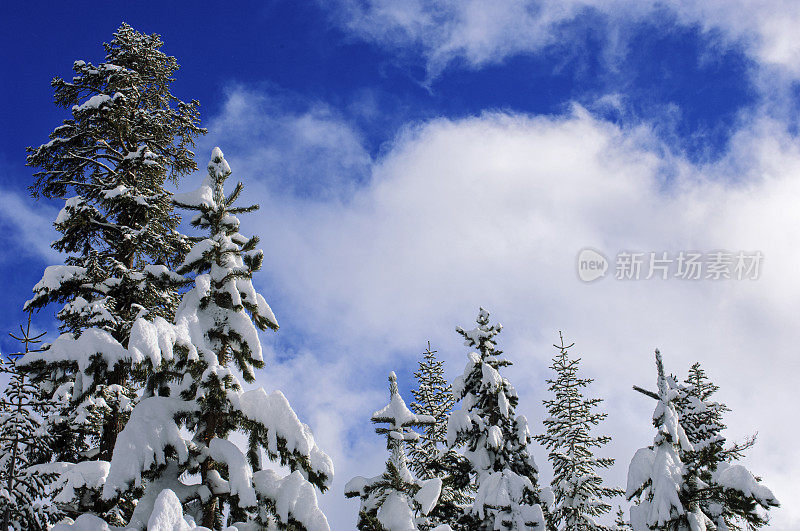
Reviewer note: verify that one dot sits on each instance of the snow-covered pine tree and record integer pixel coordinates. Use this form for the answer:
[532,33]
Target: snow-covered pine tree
[109,162]
[711,467]
[580,495]
[429,456]
[494,439]
[682,486]
[180,430]
[395,500]
[23,499]
[656,475]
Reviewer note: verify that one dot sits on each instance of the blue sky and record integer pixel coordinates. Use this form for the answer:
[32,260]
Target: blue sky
[415,160]
[678,77]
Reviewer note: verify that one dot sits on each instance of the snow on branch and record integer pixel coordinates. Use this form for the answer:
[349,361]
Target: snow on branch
[92,343]
[398,416]
[145,441]
[240,475]
[737,477]
[72,478]
[284,431]
[294,498]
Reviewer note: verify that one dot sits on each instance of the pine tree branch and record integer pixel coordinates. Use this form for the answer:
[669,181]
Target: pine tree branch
[645,392]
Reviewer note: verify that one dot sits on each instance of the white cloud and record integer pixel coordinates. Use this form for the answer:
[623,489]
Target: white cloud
[481,33]
[301,147]
[492,210]
[32,222]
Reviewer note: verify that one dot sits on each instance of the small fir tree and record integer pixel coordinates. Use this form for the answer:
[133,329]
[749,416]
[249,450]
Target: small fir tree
[429,456]
[434,398]
[395,500]
[580,495]
[620,523]
[495,440]
[23,496]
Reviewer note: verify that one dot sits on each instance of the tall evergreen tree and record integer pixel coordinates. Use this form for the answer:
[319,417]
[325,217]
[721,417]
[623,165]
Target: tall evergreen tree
[23,500]
[395,500]
[109,162]
[181,427]
[429,455]
[494,438]
[710,459]
[580,495]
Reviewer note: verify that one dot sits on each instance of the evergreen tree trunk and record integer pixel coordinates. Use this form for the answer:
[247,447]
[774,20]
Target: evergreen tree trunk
[210,507]
[113,423]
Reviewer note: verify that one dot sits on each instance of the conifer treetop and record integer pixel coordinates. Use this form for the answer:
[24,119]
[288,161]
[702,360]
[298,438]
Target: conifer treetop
[481,337]
[686,480]
[126,134]
[224,262]
[429,457]
[391,500]
[398,416]
[433,397]
[495,439]
[126,125]
[109,162]
[656,474]
[720,489]
[579,493]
